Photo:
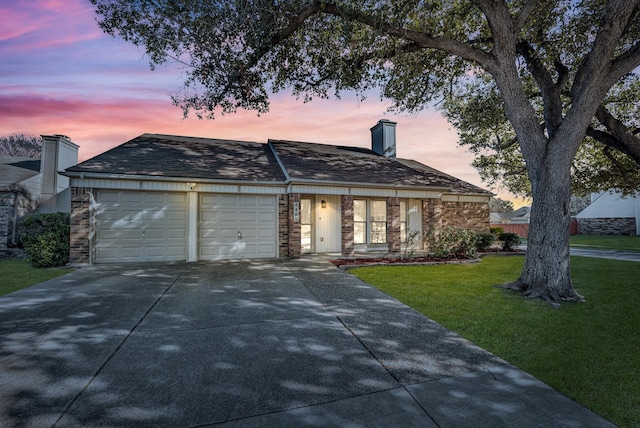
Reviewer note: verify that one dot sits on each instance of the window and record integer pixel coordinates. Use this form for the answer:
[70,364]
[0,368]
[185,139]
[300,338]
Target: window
[305,224]
[359,221]
[369,222]
[403,221]
[378,222]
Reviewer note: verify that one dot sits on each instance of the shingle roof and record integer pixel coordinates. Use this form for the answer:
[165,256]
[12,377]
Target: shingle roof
[16,169]
[156,155]
[187,157]
[310,161]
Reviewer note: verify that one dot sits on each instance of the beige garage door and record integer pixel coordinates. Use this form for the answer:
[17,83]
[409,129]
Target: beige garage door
[237,226]
[140,226]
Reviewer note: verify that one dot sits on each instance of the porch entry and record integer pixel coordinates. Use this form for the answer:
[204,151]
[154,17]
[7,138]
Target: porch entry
[320,224]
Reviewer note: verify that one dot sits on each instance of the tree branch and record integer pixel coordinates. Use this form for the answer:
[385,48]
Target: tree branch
[422,40]
[619,137]
[548,88]
[525,12]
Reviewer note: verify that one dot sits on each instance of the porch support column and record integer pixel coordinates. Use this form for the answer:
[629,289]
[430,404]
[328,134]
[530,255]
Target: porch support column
[431,217]
[295,233]
[394,242]
[348,246]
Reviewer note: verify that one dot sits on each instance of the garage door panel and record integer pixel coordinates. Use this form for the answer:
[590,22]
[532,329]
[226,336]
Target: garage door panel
[223,217]
[140,226]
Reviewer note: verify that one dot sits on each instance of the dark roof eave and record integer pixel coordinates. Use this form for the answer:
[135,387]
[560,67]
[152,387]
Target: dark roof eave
[329,183]
[107,176]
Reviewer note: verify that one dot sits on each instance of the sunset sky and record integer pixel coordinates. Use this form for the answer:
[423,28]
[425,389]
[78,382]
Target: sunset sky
[62,75]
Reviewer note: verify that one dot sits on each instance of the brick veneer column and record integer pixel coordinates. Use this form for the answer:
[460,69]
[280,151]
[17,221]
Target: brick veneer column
[5,216]
[394,239]
[283,225]
[348,246]
[295,234]
[79,248]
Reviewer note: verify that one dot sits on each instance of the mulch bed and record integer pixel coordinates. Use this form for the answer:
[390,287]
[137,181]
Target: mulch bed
[417,260]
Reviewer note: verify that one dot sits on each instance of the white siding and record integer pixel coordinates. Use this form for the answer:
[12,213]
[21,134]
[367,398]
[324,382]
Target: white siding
[611,205]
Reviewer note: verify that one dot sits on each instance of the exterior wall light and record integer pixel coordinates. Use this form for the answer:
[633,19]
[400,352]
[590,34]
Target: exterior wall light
[323,204]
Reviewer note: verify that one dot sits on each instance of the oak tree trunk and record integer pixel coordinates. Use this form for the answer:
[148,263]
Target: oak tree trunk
[546,273]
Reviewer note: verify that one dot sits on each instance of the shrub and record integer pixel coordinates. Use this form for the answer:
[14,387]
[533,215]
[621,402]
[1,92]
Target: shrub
[485,240]
[452,242]
[45,239]
[496,231]
[509,240]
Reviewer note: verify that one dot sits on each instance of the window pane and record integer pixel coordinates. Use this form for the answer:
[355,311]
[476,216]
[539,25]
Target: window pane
[305,231]
[305,211]
[378,232]
[359,210]
[359,233]
[378,211]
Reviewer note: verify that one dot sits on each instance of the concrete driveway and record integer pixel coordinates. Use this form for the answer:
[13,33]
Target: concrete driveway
[252,343]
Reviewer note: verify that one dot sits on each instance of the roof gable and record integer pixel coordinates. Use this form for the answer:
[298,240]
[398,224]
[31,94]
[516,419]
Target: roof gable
[187,157]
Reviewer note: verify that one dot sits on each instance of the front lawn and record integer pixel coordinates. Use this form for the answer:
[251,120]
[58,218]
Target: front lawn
[625,243]
[18,274]
[587,351]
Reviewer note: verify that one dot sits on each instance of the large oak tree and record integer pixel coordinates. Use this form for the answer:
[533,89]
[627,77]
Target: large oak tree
[551,66]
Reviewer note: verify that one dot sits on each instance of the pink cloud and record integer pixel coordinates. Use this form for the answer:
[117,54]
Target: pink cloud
[45,24]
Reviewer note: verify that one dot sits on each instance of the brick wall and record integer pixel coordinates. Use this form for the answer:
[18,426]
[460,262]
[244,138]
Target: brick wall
[283,226]
[466,215]
[607,226]
[295,234]
[394,241]
[79,248]
[6,213]
[346,207]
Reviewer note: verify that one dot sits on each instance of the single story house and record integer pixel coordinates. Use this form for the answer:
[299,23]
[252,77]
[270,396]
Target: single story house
[34,184]
[610,213]
[162,198]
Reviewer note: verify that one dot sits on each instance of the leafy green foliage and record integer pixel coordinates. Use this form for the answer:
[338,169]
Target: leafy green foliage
[589,357]
[497,205]
[450,241]
[509,240]
[496,230]
[45,239]
[485,240]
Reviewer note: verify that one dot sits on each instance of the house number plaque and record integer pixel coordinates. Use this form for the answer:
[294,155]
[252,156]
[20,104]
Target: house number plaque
[296,212]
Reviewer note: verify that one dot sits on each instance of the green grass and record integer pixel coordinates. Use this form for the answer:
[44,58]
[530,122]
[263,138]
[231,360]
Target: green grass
[587,351]
[18,274]
[626,243]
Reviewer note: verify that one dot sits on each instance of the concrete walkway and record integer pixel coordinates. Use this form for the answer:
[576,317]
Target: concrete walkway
[632,256]
[252,343]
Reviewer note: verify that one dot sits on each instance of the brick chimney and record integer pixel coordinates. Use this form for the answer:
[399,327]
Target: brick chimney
[383,138]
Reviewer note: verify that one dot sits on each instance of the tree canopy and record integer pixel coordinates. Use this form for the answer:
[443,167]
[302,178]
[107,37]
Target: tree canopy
[20,145]
[540,73]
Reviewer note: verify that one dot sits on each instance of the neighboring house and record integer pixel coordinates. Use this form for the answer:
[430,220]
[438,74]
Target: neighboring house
[610,213]
[29,184]
[160,197]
